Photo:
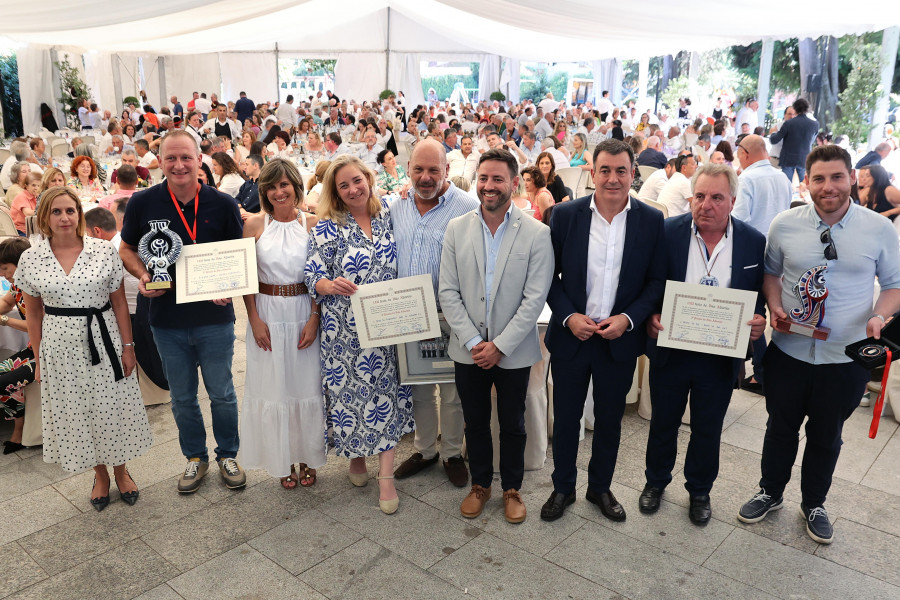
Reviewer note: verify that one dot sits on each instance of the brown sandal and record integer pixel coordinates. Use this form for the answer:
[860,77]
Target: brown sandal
[308,478]
[290,482]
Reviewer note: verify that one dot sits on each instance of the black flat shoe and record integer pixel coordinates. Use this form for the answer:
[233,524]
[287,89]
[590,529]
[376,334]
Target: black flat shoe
[700,510]
[556,505]
[649,500]
[129,497]
[102,502]
[608,504]
[10,447]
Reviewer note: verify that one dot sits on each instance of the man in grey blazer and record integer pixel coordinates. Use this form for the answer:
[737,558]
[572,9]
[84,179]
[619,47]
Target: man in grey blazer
[496,268]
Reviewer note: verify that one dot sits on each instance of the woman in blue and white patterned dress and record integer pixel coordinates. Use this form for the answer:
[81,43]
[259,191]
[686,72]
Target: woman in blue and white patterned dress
[352,245]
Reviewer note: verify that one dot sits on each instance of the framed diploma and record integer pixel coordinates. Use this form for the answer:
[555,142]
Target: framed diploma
[427,361]
[216,270]
[706,319]
[395,312]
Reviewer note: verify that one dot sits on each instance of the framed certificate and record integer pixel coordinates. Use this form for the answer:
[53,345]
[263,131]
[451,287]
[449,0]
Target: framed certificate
[706,319]
[427,361]
[216,270]
[395,312]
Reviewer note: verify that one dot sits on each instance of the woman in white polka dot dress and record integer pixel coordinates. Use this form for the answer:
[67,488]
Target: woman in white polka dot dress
[92,411]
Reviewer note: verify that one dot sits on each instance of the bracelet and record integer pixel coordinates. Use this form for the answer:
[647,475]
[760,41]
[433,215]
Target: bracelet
[126,345]
[4,320]
[314,313]
[875,315]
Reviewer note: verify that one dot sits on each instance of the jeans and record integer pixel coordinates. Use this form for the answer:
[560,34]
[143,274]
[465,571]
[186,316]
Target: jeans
[789,171]
[212,348]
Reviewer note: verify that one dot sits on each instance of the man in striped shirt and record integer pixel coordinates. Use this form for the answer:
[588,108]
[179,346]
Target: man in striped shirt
[420,220]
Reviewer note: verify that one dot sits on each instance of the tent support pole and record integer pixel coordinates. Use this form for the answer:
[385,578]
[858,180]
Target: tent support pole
[889,41]
[161,71]
[387,51]
[765,76]
[277,75]
[60,110]
[643,78]
[117,82]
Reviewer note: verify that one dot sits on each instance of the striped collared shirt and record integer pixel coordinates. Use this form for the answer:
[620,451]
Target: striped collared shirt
[420,237]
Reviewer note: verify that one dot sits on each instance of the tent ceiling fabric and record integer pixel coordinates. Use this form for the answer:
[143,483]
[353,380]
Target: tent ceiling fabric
[563,30]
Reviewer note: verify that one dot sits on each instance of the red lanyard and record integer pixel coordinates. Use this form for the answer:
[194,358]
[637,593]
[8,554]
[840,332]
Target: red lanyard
[879,404]
[191,232]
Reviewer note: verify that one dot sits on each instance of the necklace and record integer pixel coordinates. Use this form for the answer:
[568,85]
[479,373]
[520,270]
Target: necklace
[708,279]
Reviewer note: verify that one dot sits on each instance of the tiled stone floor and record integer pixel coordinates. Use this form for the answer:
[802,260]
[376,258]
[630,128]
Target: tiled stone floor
[331,541]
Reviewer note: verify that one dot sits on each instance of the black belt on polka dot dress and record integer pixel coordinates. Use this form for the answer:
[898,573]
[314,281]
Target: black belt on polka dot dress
[90,313]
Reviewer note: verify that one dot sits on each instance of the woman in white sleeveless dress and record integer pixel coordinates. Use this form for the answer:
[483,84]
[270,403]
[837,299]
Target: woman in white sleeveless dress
[283,413]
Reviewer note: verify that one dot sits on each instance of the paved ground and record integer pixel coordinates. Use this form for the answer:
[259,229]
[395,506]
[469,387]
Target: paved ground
[331,541]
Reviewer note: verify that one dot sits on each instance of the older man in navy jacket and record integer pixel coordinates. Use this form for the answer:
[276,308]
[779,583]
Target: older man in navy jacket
[608,279]
[706,247]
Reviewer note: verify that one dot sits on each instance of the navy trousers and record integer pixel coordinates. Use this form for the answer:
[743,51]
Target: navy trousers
[474,384]
[612,380]
[709,380]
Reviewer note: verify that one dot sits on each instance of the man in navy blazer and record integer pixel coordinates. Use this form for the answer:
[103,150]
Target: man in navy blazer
[798,135]
[706,247]
[609,277]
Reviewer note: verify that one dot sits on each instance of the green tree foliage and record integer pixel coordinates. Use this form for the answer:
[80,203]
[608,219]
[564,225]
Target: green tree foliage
[680,87]
[73,91]
[443,84]
[858,99]
[315,67]
[9,96]
[538,81]
[785,66]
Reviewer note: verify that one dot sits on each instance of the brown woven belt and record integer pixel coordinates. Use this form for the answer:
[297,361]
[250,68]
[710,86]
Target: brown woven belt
[291,289]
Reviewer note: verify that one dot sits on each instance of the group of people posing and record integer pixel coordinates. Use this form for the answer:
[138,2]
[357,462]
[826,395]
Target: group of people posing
[601,265]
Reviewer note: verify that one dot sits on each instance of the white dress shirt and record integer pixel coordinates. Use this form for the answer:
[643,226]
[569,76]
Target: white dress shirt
[203,105]
[606,245]
[701,268]
[543,129]
[654,185]
[129,281]
[147,160]
[560,161]
[463,166]
[676,195]
[287,114]
[210,127]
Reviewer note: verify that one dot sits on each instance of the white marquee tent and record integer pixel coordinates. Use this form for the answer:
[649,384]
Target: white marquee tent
[177,46]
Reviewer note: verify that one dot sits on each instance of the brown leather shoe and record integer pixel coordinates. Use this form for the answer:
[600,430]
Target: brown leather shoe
[513,506]
[456,470]
[413,465]
[474,503]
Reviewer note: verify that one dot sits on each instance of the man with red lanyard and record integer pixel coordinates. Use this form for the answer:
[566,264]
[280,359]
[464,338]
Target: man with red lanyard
[196,333]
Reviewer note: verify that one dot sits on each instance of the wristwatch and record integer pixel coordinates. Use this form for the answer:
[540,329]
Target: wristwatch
[4,320]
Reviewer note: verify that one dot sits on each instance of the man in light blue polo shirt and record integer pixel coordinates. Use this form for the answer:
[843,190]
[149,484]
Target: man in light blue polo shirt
[806,377]
[763,193]
[420,220]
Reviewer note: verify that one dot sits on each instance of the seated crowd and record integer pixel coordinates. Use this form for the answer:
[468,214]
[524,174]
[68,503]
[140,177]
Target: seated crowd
[338,194]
